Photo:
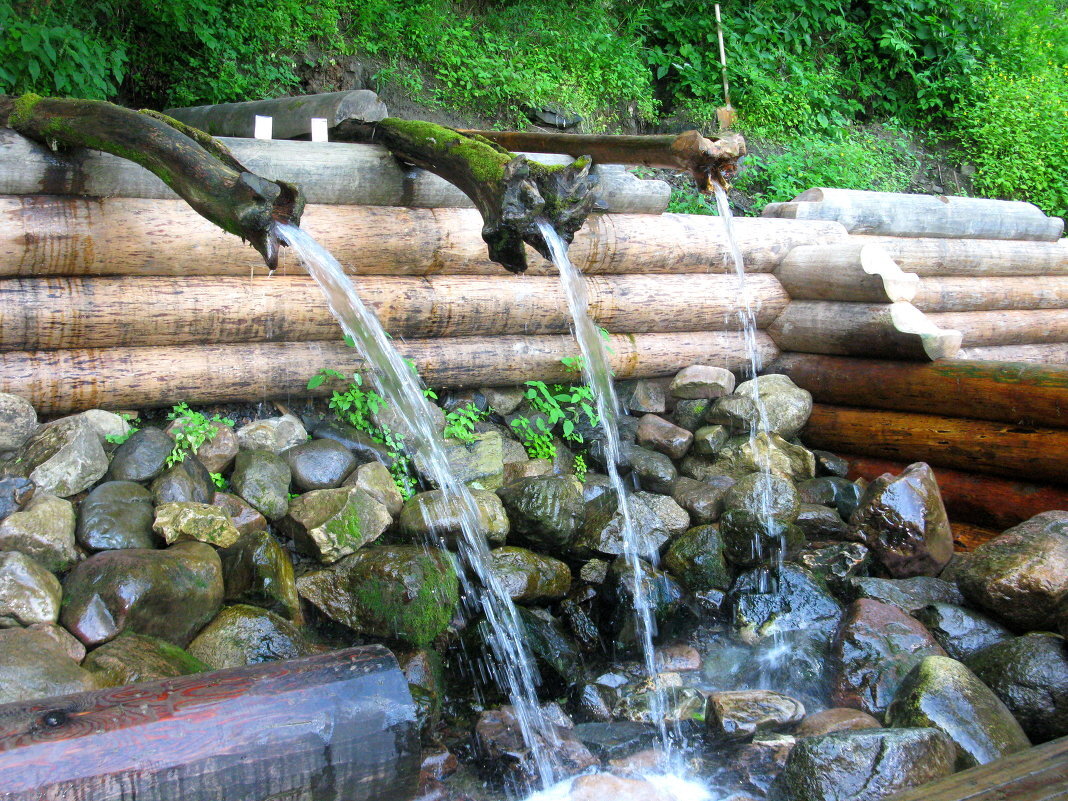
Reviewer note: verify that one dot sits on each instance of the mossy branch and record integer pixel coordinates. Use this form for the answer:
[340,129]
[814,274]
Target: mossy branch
[197,167]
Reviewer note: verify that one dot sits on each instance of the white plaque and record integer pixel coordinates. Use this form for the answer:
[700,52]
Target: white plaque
[319,129]
[263,127]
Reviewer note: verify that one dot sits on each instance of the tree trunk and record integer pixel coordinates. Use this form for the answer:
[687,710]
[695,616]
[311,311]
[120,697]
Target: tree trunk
[975,257]
[1056,353]
[986,294]
[987,328]
[845,271]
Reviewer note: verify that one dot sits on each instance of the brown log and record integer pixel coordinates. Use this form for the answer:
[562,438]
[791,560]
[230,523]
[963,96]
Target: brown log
[1010,392]
[984,294]
[987,328]
[338,725]
[123,378]
[1054,353]
[846,271]
[892,330]
[989,502]
[49,235]
[51,313]
[968,536]
[975,257]
[1025,453]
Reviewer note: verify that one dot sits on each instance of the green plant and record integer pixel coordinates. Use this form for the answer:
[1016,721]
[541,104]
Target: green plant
[460,422]
[131,429]
[193,429]
[566,407]
[220,482]
[580,467]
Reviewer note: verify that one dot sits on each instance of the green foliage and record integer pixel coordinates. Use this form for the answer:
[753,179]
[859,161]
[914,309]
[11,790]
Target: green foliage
[131,421]
[580,467]
[460,422]
[686,199]
[192,431]
[220,482]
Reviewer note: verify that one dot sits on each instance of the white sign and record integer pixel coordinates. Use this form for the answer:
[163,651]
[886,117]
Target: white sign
[319,129]
[263,127]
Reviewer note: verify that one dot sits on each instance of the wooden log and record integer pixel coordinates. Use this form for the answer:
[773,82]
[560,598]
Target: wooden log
[1037,774]
[124,378]
[848,271]
[1054,353]
[938,294]
[1032,454]
[51,313]
[968,536]
[939,216]
[291,115]
[327,172]
[975,257]
[987,328]
[1010,392]
[338,725]
[49,235]
[893,330]
[989,502]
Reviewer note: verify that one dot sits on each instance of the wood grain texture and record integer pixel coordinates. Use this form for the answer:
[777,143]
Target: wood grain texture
[1024,453]
[1053,353]
[974,257]
[1011,392]
[998,327]
[989,502]
[339,725]
[50,235]
[849,271]
[991,293]
[124,378]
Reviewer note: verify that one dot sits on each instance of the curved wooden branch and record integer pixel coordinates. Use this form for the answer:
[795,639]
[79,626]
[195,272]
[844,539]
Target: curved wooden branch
[200,169]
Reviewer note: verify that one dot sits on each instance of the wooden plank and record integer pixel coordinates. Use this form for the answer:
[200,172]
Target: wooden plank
[1011,392]
[988,328]
[338,725]
[847,271]
[936,294]
[1054,353]
[125,378]
[975,257]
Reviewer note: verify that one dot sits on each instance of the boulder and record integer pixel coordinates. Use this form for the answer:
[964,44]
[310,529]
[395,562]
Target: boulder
[28,592]
[195,521]
[555,652]
[262,477]
[696,559]
[18,421]
[740,714]
[63,458]
[503,400]
[135,657]
[669,439]
[257,570]
[690,414]
[906,594]
[797,603]
[108,424]
[763,494]
[363,446]
[673,517]
[604,528]
[188,481]
[655,471]
[528,577]
[785,406]
[546,512]
[750,539]
[661,592]
[479,463]
[242,515]
[830,464]
[710,440]
[500,744]
[247,635]
[818,522]
[702,381]
[34,666]
[375,479]
[142,457]
[961,632]
[15,493]
[67,641]
[835,719]
[835,563]
[116,515]
[319,464]
[217,453]
[641,396]
[274,434]
[434,516]
[44,529]
[702,500]
[332,523]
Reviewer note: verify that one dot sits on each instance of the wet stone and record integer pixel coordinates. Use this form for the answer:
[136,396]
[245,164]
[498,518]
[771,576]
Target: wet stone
[332,523]
[244,517]
[217,453]
[762,493]
[18,421]
[528,577]
[703,500]
[546,512]
[274,434]
[499,741]
[433,516]
[690,414]
[15,493]
[702,381]
[602,532]
[830,464]
[594,571]
[673,517]
[360,443]
[749,768]
[28,592]
[375,479]
[195,521]
[423,671]
[44,529]
[660,435]
[116,514]
[503,400]
[34,666]
[906,594]
[556,653]
[63,458]
[738,715]
[663,594]
[479,464]
[257,570]
[796,602]
[960,631]
[835,562]
[319,464]
[642,397]
[142,457]
[526,468]
[737,412]
[592,704]
[835,719]
[655,471]
[820,523]
[710,440]
[135,657]
[786,406]
[262,479]
[696,559]
[248,635]
[750,539]
[615,740]
[188,481]
[67,641]
[106,424]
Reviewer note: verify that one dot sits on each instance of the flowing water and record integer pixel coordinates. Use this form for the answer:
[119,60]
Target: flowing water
[397,383]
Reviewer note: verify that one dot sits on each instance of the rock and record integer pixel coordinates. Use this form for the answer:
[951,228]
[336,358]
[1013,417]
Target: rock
[142,457]
[403,592]
[710,440]
[798,603]
[433,516]
[262,478]
[676,706]
[660,435]
[690,414]
[18,421]
[556,653]
[63,458]
[821,523]
[247,635]
[528,577]
[499,741]
[374,478]
[35,666]
[702,381]
[961,632]
[764,494]
[942,693]
[821,491]
[424,673]
[332,523]
[876,646]
[188,481]
[116,514]
[319,464]
[67,641]
[786,406]
[749,768]
[594,571]
[738,715]
[15,493]
[274,434]
[1021,575]
[673,517]
[195,521]
[168,594]
[389,417]
[836,563]
[903,520]
[479,464]
[836,719]
[612,740]
[677,658]
[703,500]
[1030,675]
[906,594]
[655,471]
[599,786]
[863,765]
[696,559]
[244,517]
[764,453]
[750,540]
[503,400]
[257,570]
[642,396]
[525,468]
[135,657]
[603,530]
[217,453]
[662,594]
[108,424]
[438,763]
[28,592]
[829,464]
[44,529]
[546,511]
[362,445]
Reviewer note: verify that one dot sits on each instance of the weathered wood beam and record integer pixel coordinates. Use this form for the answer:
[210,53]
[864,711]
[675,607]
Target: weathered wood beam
[937,294]
[975,257]
[845,271]
[1054,353]
[988,328]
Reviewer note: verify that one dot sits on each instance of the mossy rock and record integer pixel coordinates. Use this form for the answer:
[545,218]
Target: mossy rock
[136,657]
[247,635]
[696,559]
[332,523]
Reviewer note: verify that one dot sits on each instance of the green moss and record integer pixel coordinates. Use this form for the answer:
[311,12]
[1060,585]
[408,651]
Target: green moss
[485,159]
[345,527]
[23,110]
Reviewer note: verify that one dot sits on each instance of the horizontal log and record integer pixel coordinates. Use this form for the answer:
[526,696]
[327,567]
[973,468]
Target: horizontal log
[937,294]
[892,330]
[123,378]
[327,172]
[987,328]
[49,235]
[848,271]
[1033,454]
[339,725]
[968,536]
[939,216]
[975,257]
[990,502]
[1010,392]
[1054,353]
[51,313]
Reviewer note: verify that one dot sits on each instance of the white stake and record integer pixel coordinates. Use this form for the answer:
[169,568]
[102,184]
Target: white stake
[263,128]
[319,131]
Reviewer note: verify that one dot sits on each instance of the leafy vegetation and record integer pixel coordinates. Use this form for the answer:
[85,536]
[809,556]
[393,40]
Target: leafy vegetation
[193,429]
[460,422]
[131,428]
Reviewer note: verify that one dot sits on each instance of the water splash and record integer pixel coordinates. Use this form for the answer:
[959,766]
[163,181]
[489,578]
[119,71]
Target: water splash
[512,663]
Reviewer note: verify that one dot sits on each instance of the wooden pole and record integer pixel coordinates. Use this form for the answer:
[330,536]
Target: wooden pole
[338,725]
[46,235]
[1055,353]
[978,258]
[987,328]
[847,271]
[126,378]
[1032,454]
[938,294]
[58,313]
[1012,392]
